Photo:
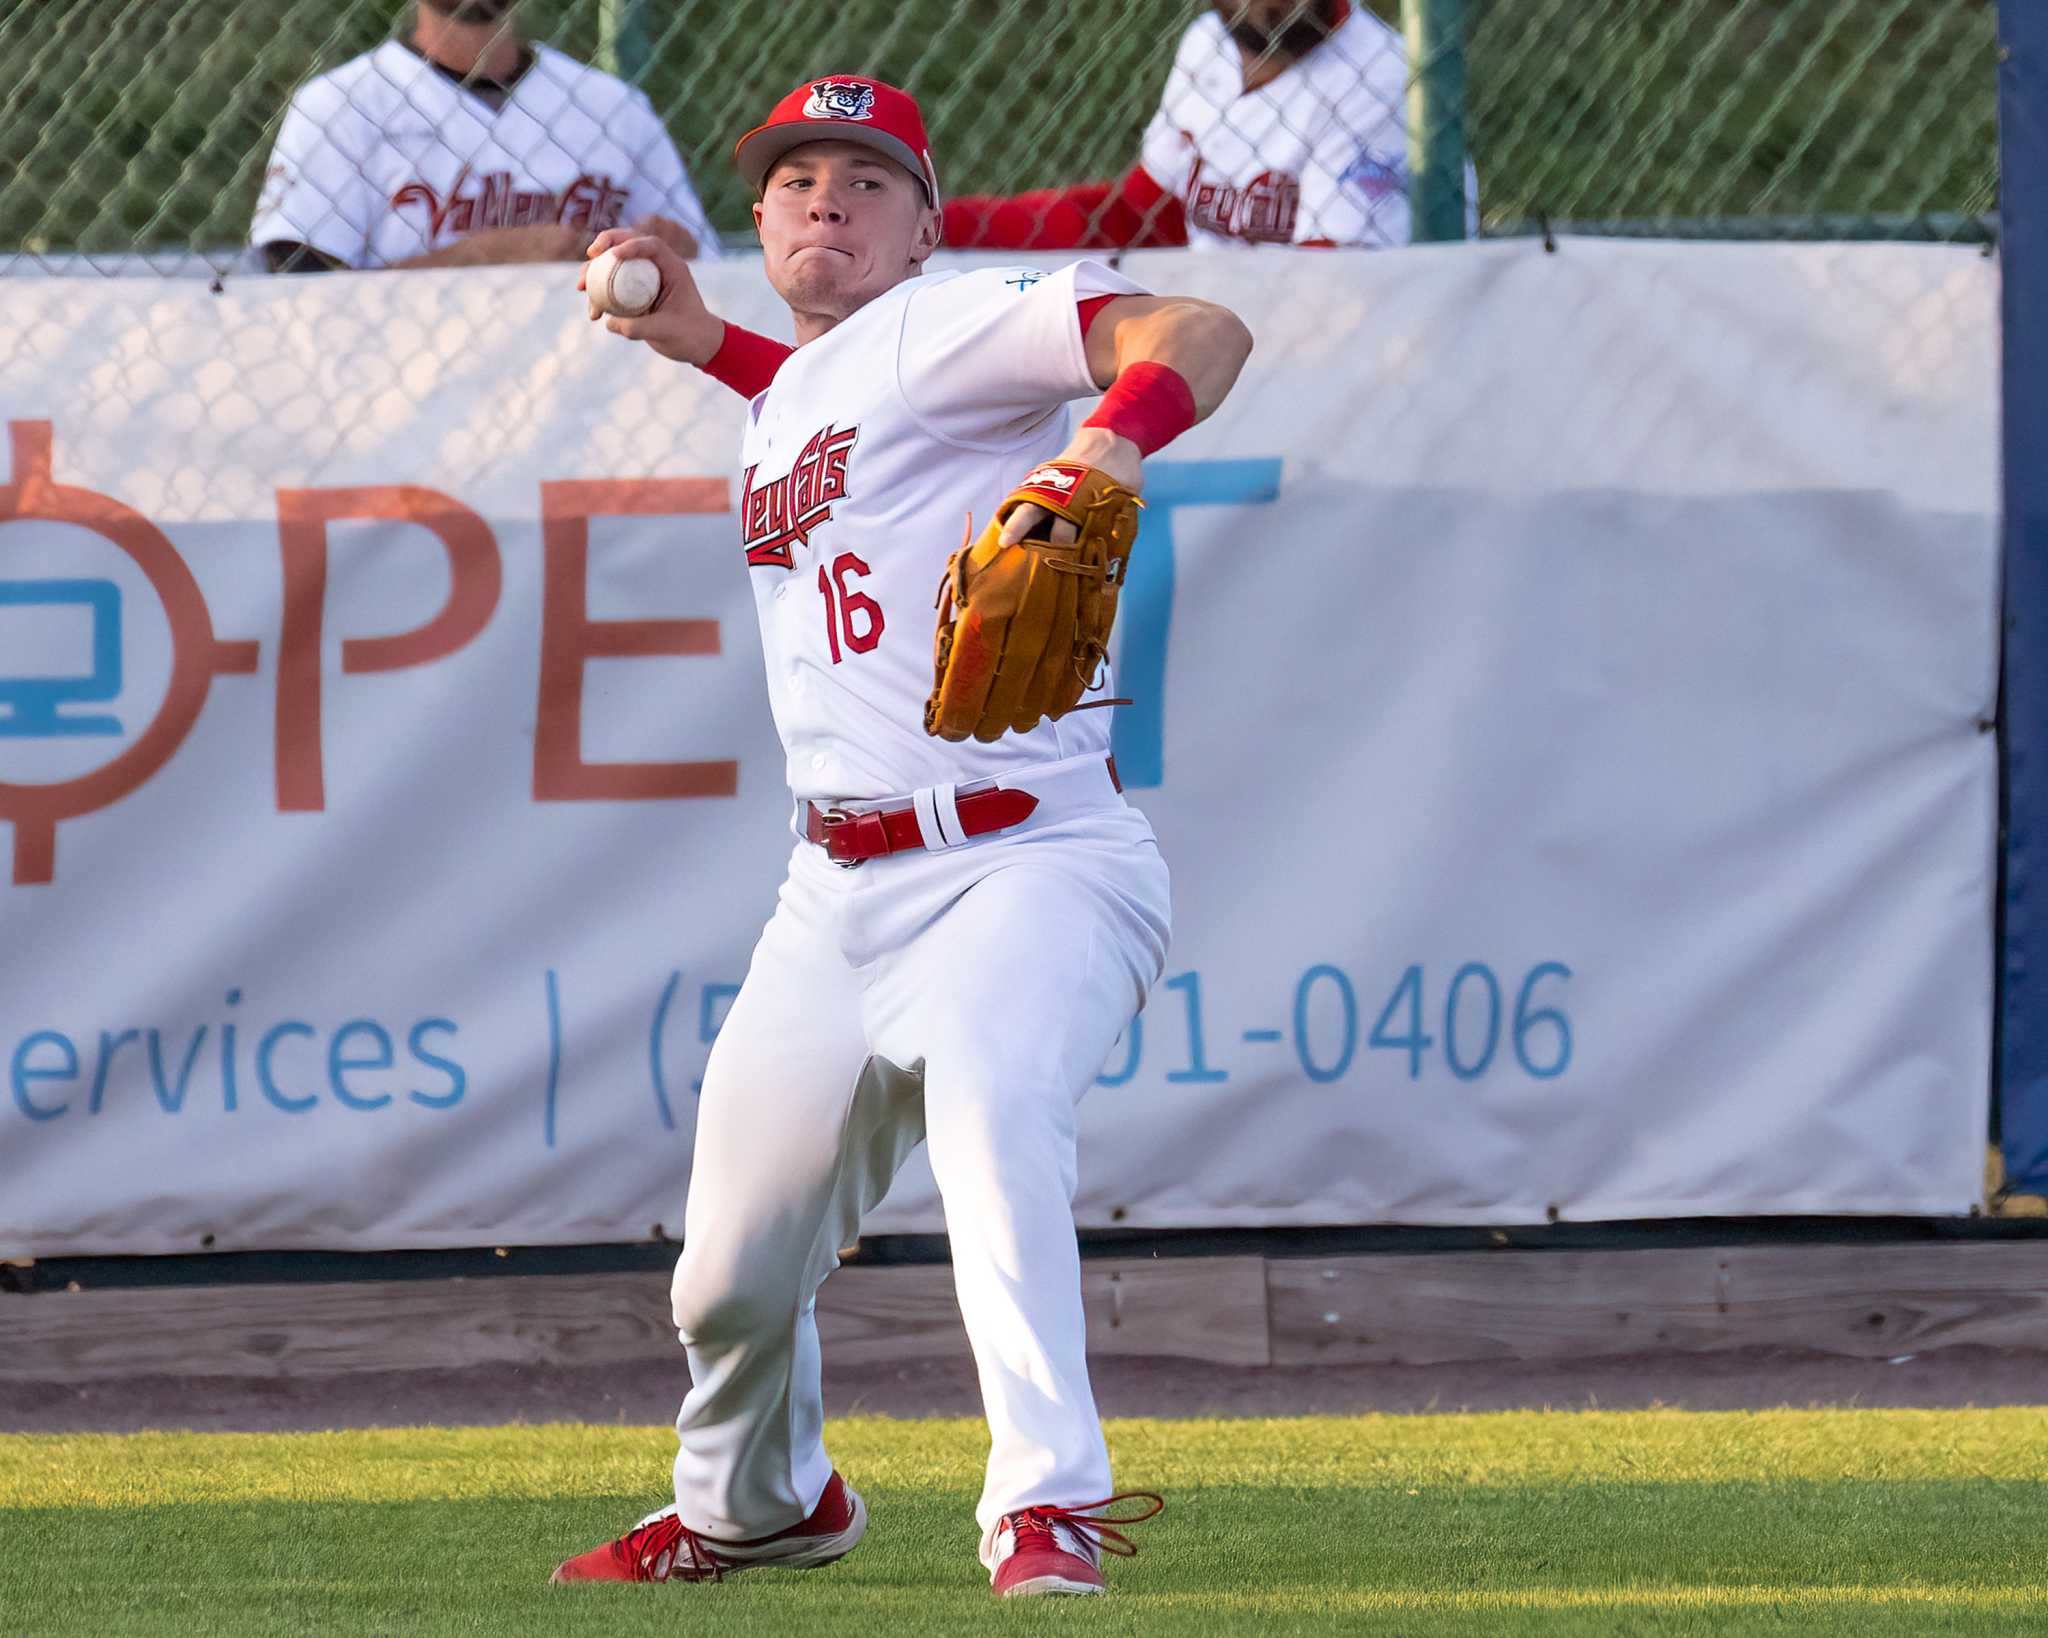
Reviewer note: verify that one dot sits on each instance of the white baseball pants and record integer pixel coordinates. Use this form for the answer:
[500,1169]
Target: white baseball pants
[1004,970]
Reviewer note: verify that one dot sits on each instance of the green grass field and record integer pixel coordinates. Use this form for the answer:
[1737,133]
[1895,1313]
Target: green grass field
[1659,1522]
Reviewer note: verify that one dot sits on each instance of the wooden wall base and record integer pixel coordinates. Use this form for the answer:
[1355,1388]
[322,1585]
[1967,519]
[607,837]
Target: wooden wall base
[1866,1301]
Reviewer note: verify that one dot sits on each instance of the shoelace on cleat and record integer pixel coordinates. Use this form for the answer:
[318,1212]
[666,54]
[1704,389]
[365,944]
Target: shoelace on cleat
[1036,1523]
[666,1548]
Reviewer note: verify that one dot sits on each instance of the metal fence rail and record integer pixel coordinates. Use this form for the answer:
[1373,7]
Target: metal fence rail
[142,126]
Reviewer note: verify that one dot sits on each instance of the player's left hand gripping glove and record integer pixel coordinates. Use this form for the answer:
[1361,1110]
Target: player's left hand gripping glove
[1024,629]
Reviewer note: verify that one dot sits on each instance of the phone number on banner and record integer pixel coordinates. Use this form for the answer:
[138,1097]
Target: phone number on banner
[1477,1022]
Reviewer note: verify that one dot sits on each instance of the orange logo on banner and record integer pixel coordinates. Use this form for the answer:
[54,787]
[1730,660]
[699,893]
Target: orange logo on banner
[475,577]
[569,637]
[196,655]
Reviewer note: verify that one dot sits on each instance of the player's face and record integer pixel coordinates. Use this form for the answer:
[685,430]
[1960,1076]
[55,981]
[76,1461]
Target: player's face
[839,225]
[1289,28]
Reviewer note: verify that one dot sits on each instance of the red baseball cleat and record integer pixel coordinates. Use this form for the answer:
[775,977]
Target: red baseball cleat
[1043,1550]
[663,1548]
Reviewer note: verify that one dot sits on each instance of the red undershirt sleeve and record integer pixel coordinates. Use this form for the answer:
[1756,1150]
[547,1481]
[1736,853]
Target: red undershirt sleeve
[746,362]
[1090,308]
[1132,213]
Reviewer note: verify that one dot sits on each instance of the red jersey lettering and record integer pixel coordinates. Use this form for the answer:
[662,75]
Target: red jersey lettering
[786,509]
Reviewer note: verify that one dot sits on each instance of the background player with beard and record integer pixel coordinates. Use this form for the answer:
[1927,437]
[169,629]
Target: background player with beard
[1282,122]
[967,924]
[464,146]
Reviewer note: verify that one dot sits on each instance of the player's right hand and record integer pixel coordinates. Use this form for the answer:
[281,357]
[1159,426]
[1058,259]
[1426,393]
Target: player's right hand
[679,325]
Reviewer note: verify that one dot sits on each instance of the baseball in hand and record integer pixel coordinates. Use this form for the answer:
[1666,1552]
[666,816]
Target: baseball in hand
[625,288]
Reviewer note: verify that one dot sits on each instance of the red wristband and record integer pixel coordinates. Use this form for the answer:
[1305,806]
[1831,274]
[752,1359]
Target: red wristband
[1150,404]
[745,362]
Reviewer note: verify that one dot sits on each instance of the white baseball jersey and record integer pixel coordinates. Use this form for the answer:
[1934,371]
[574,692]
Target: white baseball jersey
[388,157]
[1319,154]
[860,465]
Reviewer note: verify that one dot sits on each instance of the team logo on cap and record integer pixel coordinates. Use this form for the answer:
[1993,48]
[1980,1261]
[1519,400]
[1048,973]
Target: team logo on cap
[840,99]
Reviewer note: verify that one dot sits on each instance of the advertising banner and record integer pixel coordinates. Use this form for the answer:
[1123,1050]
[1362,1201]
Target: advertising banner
[1562,687]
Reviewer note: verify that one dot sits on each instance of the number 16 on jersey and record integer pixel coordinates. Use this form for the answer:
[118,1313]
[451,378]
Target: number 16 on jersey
[853,620]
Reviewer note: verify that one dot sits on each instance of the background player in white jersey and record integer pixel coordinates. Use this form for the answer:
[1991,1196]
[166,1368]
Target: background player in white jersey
[1282,122]
[463,145]
[963,982]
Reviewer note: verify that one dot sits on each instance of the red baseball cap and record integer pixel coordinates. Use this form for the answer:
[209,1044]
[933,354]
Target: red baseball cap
[841,108]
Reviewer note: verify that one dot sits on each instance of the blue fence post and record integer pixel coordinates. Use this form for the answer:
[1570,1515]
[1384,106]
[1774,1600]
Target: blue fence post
[2023,239]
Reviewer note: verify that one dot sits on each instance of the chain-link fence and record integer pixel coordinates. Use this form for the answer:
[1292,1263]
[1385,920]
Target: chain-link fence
[144,126]
[1738,117]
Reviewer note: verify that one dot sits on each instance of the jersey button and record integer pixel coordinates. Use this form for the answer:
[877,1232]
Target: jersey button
[782,590]
[796,683]
[818,762]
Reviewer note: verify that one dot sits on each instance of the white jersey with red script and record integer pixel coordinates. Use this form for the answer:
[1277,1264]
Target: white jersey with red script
[860,467]
[389,156]
[1317,155]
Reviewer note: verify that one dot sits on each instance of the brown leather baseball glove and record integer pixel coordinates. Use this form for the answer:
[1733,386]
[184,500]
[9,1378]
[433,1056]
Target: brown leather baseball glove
[1024,629]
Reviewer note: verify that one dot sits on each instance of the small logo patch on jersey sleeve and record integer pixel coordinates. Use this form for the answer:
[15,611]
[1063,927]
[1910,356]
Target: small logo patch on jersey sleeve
[1376,176]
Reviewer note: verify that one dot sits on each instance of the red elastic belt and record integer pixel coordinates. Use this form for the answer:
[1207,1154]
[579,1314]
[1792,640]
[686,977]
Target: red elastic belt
[850,838]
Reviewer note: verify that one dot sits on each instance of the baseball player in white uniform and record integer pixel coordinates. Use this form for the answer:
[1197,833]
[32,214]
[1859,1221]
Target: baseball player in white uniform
[1282,122]
[966,928]
[464,145]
